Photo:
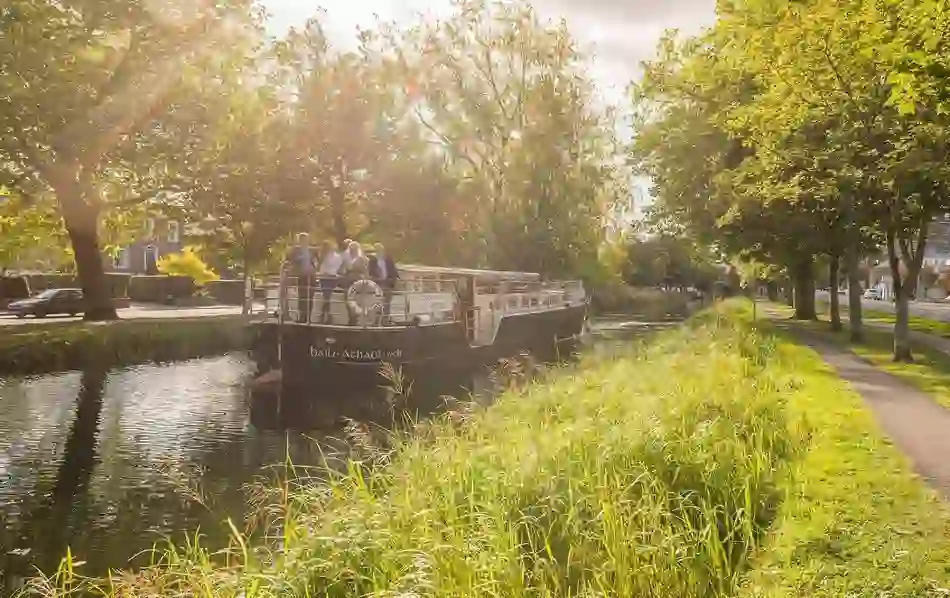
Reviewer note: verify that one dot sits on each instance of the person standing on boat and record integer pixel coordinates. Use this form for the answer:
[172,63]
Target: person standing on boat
[383,270]
[300,265]
[345,253]
[331,263]
[356,267]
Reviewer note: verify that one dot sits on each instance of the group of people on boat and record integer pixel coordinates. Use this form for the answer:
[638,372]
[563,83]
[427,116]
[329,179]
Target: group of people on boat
[333,267]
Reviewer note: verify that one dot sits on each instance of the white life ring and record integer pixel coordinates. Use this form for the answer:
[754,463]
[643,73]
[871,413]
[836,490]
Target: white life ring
[364,297]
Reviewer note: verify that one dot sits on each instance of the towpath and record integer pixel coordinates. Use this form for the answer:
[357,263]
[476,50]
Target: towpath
[910,417]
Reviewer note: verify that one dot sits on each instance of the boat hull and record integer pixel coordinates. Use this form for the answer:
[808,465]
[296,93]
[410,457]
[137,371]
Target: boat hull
[336,360]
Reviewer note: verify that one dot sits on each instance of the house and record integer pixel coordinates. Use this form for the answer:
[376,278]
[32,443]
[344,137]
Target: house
[936,258]
[161,237]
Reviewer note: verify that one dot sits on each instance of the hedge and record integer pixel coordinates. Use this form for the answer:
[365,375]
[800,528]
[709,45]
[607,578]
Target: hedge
[158,289]
[228,292]
[13,288]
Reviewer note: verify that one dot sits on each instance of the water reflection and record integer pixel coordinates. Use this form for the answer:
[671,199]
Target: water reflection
[108,463]
[95,461]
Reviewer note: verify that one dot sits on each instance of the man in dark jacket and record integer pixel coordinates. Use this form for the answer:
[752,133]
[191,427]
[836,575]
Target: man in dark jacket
[383,270]
[299,264]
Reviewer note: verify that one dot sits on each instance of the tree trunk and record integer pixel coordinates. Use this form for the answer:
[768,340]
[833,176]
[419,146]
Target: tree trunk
[772,289]
[902,349]
[912,252]
[82,220]
[833,289]
[804,290]
[789,292]
[855,316]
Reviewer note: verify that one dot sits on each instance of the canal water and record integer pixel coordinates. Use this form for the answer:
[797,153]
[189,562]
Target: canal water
[109,463]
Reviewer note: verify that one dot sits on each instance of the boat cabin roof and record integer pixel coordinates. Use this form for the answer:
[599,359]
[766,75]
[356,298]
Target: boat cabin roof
[481,275]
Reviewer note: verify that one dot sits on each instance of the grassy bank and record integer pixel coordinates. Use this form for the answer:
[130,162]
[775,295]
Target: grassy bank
[32,349]
[704,464]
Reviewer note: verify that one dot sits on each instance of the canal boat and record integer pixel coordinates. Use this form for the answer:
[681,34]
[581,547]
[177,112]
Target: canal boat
[439,322]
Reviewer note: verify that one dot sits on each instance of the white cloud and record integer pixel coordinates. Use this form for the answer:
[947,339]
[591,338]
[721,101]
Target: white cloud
[618,33]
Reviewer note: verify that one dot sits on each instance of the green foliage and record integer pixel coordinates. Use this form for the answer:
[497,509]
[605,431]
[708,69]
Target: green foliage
[31,236]
[792,130]
[504,94]
[665,261]
[101,101]
[471,141]
[187,263]
[835,533]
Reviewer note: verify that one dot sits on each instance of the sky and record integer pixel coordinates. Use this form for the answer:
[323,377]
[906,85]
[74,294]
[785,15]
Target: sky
[617,33]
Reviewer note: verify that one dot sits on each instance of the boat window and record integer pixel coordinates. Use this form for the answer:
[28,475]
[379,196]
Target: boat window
[513,302]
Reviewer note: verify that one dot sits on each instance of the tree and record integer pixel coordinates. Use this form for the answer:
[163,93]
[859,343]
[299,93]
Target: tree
[811,134]
[237,190]
[845,63]
[502,94]
[92,93]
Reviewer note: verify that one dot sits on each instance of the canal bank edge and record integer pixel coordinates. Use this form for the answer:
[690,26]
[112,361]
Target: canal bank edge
[786,482]
[54,347]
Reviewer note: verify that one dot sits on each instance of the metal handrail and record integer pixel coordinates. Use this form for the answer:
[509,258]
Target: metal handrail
[337,295]
[525,298]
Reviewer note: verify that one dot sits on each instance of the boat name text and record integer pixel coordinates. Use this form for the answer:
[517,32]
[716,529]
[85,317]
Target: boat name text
[355,354]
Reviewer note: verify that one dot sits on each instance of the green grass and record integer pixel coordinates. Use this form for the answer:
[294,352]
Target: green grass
[32,349]
[716,459]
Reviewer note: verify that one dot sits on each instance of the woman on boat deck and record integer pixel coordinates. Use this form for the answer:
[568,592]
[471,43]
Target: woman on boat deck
[356,266]
[331,264]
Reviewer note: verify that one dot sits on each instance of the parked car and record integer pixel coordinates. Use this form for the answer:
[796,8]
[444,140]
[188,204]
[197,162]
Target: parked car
[51,301]
[874,294]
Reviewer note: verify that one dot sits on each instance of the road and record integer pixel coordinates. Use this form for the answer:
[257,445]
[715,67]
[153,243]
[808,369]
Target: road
[136,312]
[923,309]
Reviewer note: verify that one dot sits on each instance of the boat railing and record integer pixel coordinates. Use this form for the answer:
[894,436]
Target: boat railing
[330,302]
[546,295]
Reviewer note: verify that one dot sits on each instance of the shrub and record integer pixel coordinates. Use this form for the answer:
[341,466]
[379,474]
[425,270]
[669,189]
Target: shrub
[187,263]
